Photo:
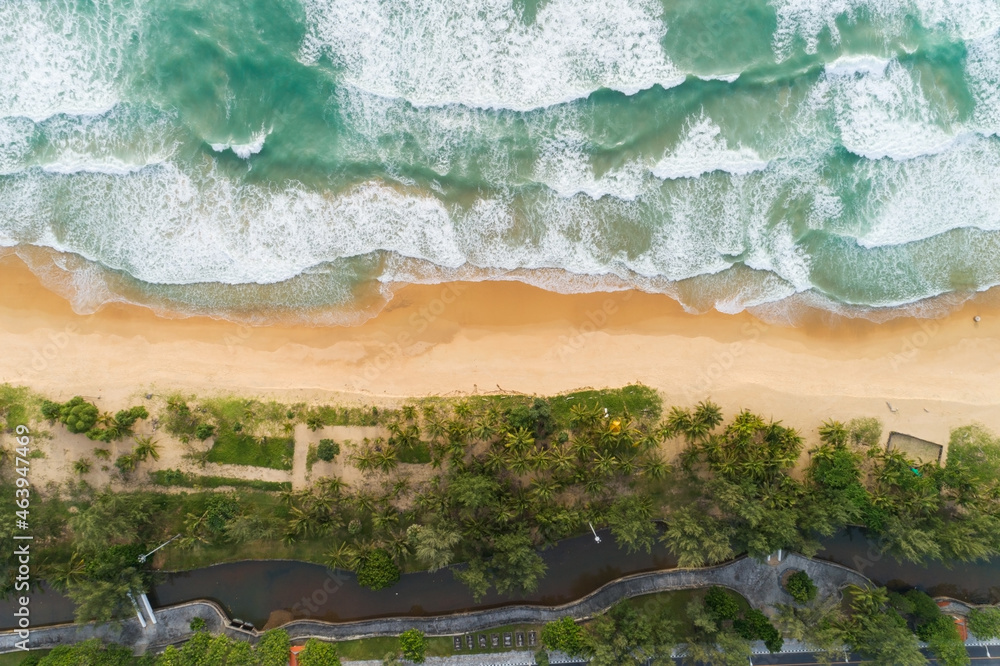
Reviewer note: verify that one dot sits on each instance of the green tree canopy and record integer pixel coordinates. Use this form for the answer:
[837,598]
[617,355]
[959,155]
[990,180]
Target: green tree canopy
[413,645]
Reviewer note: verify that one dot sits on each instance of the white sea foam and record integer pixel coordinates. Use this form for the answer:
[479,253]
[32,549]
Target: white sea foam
[244,150]
[703,150]
[563,166]
[728,78]
[483,54]
[16,136]
[74,163]
[856,64]
[983,76]
[806,21]
[880,111]
[918,199]
[163,225]
[56,57]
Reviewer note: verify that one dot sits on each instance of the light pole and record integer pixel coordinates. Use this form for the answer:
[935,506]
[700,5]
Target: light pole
[596,538]
[142,558]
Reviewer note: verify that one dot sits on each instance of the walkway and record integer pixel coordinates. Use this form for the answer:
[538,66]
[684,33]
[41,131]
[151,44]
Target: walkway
[758,582]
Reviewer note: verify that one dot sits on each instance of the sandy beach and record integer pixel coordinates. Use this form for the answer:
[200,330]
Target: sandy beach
[484,337]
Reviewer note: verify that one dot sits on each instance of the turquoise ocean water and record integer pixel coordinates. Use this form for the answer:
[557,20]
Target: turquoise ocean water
[276,158]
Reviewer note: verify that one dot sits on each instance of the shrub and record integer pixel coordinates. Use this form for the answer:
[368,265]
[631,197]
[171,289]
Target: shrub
[318,653]
[198,624]
[327,450]
[126,464]
[754,626]
[175,477]
[377,571]
[78,415]
[985,622]
[204,431]
[566,636]
[413,645]
[721,604]
[801,587]
[541,658]
[272,650]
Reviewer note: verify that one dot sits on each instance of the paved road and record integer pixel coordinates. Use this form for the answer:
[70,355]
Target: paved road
[980,655]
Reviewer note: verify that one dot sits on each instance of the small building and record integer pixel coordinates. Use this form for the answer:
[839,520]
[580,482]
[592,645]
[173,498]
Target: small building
[914,448]
[293,656]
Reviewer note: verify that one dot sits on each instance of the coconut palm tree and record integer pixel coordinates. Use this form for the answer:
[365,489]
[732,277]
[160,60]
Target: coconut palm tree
[833,432]
[146,447]
[562,459]
[583,415]
[343,556]
[709,413]
[519,440]
[652,465]
[605,464]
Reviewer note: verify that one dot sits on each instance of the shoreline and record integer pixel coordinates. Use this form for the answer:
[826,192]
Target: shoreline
[465,338]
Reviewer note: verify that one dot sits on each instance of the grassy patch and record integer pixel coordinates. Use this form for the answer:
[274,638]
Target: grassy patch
[233,448]
[18,406]
[14,658]
[418,453]
[327,415]
[641,402]
[675,603]
[174,477]
[437,646]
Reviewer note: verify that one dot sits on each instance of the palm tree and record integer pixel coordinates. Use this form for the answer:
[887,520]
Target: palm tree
[540,459]
[654,467]
[594,485]
[605,464]
[409,412]
[343,556]
[562,459]
[519,440]
[81,466]
[583,415]
[708,413]
[868,600]
[678,421]
[833,432]
[62,575]
[384,518]
[543,490]
[519,463]
[146,447]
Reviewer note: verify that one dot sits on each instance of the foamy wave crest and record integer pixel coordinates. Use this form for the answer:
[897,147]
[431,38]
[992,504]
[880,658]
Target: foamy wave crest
[60,57]
[806,20]
[918,199]
[564,167]
[704,150]
[439,52]
[162,225]
[882,112]
[983,72]
[244,150]
[16,138]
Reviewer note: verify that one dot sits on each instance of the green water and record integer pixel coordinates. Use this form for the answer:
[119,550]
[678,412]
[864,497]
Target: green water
[257,159]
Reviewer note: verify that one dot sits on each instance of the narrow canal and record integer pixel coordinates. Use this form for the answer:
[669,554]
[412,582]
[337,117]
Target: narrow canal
[253,590]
